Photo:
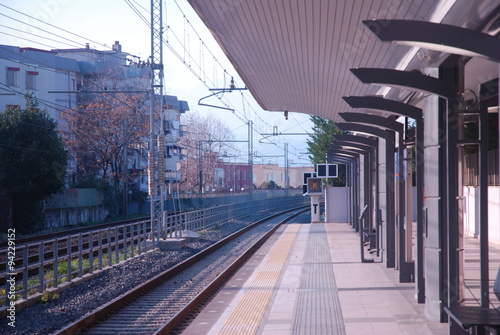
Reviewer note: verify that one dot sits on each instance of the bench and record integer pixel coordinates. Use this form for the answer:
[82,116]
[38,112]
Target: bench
[468,317]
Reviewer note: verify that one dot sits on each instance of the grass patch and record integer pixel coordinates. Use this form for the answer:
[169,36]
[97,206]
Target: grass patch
[108,259]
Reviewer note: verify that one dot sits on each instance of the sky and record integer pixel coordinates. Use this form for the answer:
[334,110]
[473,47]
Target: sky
[191,54]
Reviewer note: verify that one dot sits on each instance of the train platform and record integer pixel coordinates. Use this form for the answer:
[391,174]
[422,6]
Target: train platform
[308,279]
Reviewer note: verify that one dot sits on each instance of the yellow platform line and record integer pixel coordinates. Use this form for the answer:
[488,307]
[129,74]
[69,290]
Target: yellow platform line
[246,317]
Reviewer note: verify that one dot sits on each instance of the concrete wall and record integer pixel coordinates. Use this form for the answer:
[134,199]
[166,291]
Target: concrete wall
[336,204]
[73,206]
[63,217]
[471,214]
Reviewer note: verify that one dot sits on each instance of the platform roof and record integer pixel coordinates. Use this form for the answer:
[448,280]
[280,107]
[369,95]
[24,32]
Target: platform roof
[295,55]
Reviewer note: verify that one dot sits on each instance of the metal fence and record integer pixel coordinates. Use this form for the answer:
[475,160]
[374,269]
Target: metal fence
[35,268]
[209,217]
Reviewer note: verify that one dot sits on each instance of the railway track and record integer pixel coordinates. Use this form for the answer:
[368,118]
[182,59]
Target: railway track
[74,231]
[61,239]
[160,304]
[71,231]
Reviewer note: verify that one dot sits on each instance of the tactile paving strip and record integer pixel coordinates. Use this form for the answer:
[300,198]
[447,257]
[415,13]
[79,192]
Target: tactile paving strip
[246,317]
[318,309]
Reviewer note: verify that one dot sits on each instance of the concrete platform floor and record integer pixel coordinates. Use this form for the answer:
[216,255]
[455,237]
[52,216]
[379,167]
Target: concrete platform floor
[308,279]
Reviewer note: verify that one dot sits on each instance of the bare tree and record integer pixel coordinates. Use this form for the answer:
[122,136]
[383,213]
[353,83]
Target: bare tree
[99,133]
[205,141]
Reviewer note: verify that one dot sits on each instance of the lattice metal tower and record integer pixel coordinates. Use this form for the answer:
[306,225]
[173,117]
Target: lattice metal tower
[156,155]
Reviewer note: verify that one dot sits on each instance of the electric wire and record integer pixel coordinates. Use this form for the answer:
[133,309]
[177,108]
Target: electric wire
[54,26]
[33,34]
[191,61]
[243,117]
[46,31]
[23,38]
[59,36]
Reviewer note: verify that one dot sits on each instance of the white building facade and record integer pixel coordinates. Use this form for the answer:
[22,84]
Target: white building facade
[62,79]
[39,73]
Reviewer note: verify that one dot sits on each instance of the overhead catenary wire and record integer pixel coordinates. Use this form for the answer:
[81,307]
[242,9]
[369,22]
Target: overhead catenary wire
[33,26]
[75,44]
[197,66]
[33,34]
[190,58]
[54,26]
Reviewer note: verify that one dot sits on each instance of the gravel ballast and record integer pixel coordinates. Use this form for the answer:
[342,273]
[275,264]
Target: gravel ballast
[75,302]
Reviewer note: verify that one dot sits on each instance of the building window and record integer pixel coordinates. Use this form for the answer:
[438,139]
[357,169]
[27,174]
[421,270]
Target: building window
[31,80]
[12,76]
[271,177]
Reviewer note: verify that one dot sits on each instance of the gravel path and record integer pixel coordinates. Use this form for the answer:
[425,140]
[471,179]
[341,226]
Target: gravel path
[45,318]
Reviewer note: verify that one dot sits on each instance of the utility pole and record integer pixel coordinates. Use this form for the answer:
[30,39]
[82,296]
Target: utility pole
[156,157]
[250,156]
[200,166]
[287,169]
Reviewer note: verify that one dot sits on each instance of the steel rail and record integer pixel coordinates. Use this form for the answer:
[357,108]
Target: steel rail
[114,305]
[220,280]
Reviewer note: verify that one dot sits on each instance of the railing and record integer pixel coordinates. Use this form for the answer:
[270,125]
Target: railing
[279,192]
[209,217]
[39,266]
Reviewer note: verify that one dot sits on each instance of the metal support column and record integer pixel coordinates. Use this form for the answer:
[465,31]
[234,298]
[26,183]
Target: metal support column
[387,186]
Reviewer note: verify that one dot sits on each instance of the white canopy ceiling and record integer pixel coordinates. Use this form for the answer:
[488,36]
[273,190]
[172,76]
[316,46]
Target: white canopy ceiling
[295,55]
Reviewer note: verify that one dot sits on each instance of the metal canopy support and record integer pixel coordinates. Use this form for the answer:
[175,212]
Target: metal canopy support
[437,36]
[465,42]
[382,104]
[404,79]
[365,227]
[404,246]
[362,179]
[353,176]
[415,113]
[399,108]
[368,148]
[451,71]
[360,215]
[384,203]
[489,97]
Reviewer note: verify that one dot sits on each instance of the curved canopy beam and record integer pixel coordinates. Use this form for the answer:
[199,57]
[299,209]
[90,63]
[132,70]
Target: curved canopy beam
[354,138]
[343,154]
[437,36]
[386,105]
[335,157]
[359,128]
[352,146]
[373,120]
[406,80]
